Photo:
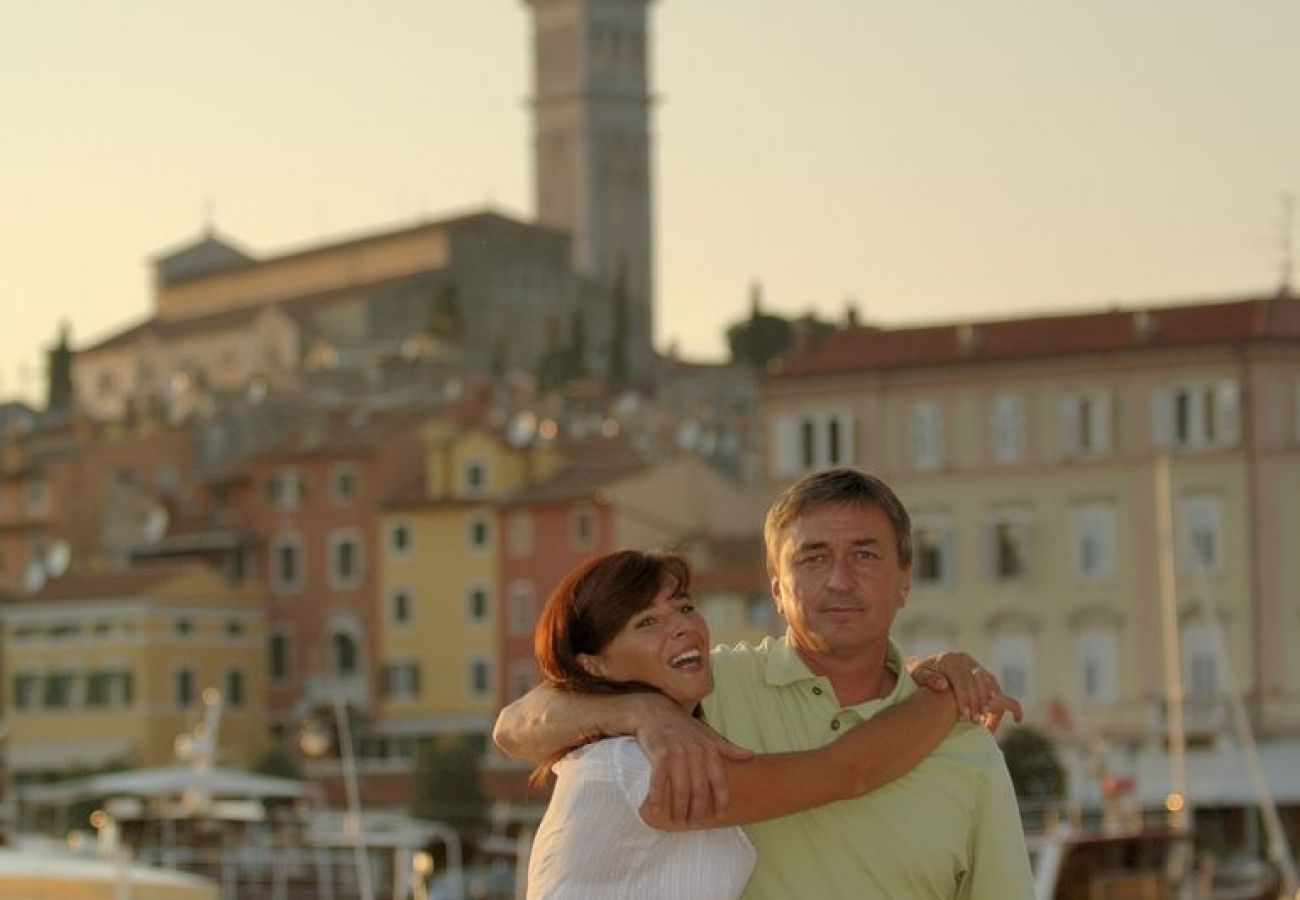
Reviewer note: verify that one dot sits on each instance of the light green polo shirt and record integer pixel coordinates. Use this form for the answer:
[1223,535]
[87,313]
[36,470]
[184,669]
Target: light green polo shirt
[948,829]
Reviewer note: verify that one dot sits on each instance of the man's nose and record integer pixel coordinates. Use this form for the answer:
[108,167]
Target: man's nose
[840,578]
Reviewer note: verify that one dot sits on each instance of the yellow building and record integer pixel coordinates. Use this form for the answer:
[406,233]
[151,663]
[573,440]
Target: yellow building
[106,669]
[438,573]
[1026,452]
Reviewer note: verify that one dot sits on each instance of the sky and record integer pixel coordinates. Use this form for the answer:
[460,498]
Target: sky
[927,160]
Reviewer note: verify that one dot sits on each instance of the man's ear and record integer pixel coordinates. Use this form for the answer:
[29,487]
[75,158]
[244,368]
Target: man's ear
[904,587]
[593,664]
[774,584]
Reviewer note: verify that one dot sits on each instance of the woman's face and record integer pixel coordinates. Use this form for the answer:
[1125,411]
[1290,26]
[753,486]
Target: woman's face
[665,645]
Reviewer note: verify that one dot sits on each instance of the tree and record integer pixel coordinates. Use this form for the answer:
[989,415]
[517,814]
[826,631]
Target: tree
[620,329]
[1036,771]
[278,762]
[448,782]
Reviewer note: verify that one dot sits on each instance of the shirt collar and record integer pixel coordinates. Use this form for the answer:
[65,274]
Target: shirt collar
[786,667]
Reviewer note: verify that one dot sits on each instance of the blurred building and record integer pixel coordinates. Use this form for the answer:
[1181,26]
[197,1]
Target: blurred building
[1025,450]
[477,292]
[106,669]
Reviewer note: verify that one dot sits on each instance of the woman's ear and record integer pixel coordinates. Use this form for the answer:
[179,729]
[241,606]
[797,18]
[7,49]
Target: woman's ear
[594,665]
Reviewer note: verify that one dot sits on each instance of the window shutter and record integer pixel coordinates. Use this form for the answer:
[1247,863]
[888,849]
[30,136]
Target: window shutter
[1162,418]
[1227,403]
[785,437]
[1070,410]
[1103,425]
[848,440]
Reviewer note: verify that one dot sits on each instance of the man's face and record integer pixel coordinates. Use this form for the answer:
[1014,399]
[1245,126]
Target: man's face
[838,579]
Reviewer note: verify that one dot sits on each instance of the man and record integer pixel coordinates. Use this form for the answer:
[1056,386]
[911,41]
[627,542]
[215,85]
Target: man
[839,561]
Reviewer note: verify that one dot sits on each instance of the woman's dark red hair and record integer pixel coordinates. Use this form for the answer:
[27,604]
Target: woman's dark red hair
[588,608]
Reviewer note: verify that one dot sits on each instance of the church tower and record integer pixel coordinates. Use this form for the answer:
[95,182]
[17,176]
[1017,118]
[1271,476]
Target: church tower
[591,132]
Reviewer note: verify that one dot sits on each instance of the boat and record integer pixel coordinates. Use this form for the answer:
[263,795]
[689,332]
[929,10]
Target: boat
[46,870]
[1138,862]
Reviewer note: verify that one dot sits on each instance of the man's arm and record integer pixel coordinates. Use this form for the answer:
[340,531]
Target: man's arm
[998,864]
[686,753]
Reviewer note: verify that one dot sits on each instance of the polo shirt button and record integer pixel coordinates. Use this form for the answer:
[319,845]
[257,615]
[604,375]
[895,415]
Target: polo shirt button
[817,691]
[835,725]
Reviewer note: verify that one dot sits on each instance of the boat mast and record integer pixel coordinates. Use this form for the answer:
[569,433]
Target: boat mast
[1176,802]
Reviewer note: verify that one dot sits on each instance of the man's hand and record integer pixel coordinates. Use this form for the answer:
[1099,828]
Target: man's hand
[688,783]
[978,695]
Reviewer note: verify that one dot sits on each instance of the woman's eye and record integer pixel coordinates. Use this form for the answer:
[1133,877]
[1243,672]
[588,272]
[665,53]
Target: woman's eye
[647,621]
[686,608]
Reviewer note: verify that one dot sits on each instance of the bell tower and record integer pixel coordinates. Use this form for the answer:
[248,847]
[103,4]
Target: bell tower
[592,149]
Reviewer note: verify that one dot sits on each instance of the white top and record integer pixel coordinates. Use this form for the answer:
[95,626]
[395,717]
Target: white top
[593,844]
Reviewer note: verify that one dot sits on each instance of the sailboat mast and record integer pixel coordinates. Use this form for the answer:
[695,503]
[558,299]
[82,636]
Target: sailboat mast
[1176,802]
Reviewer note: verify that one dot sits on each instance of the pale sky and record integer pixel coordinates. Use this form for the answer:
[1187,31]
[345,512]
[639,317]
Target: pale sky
[931,159]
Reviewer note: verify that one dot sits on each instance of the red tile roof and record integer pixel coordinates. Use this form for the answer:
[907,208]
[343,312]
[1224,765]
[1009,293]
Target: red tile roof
[868,349]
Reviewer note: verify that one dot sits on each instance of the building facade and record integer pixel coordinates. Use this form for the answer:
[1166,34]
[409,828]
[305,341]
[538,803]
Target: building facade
[1026,451]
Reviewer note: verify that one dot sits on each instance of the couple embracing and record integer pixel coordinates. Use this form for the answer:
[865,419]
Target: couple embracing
[849,779]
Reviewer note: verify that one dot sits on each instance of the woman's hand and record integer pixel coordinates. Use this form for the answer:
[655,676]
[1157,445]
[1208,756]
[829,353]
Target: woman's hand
[978,695]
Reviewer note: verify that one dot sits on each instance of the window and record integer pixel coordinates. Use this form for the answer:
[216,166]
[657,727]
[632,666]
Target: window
[582,528]
[345,558]
[36,499]
[925,435]
[480,678]
[235,692]
[278,651]
[1086,420]
[932,551]
[523,675]
[520,536]
[399,540]
[474,476]
[58,690]
[477,604]
[286,488]
[1094,541]
[480,533]
[1200,664]
[1202,534]
[234,629]
[402,680]
[1098,661]
[1198,416]
[183,688]
[1296,414]
[522,608]
[287,563]
[813,440]
[25,688]
[1007,429]
[183,627]
[344,648]
[399,606]
[760,610]
[1013,660]
[344,483]
[109,689]
[1009,545]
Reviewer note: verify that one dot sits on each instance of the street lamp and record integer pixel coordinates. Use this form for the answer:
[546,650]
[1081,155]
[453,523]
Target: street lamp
[315,742]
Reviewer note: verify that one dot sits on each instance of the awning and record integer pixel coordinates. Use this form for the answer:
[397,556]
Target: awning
[1219,776]
[170,781]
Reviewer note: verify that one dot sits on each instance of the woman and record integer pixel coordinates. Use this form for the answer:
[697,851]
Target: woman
[625,622]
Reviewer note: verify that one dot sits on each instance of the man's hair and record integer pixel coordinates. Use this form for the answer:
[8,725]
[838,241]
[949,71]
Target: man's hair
[837,487]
